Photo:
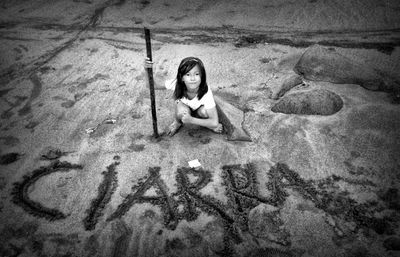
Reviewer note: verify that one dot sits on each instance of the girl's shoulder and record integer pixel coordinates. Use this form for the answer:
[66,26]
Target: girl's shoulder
[209,92]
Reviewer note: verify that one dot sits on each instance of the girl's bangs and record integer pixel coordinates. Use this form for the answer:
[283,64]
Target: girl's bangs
[188,64]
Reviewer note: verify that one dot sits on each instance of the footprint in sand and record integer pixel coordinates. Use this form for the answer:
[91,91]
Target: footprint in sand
[31,125]
[199,135]
[70,103]
[134,146]
[3,183]
[9,141]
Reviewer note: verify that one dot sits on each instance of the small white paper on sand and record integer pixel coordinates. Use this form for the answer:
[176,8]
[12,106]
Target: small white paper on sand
[194,163]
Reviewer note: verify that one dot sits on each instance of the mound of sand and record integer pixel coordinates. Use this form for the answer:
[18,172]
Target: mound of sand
[323,64]
[315,102]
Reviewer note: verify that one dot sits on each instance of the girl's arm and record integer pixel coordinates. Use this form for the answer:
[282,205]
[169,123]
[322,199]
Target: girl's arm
[211,122]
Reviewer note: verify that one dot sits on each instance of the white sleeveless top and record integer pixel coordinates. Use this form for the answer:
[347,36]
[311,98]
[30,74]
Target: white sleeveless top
[207,100]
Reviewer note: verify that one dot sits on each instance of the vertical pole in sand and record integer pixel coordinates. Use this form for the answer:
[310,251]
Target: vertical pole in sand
[151,82]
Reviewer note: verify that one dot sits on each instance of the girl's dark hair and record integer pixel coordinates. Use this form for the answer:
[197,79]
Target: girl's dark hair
[186,65]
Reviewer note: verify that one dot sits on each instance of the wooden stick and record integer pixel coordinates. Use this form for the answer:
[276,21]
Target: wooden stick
[151,83]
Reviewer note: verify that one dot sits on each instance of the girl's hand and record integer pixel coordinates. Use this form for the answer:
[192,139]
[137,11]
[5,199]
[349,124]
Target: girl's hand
[186,118]
[147,63]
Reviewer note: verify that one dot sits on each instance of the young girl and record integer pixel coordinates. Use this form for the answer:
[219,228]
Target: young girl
[194,101]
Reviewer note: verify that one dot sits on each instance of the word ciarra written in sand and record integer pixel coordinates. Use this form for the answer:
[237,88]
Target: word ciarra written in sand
[184,204]
[194,195]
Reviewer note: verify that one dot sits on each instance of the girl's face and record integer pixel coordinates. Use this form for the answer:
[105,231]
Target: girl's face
[192,79]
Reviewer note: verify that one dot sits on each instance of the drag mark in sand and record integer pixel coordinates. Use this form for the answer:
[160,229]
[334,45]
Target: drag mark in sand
[98,13]
[4,91]
[20,195]
[105,191]
[8,113]
[37,89]
[306,39]
[31,68]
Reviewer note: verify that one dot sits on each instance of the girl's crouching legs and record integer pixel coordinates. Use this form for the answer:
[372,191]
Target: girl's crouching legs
[180,109]
[202,113]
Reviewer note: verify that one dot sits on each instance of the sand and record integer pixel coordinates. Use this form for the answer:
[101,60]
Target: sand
[83,175]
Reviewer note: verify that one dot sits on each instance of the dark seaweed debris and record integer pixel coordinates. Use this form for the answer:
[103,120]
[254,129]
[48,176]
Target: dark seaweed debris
[242,191]
[391,198]
[52,154]
[305,188]
[190,212]
[105,191]
[328,199]
[20,194]
[250,40]
[269,252]
[189,196]
[275,185]
[392,243]
[174,244]
[204,177]
[168,206]
[339,204]
[9,158]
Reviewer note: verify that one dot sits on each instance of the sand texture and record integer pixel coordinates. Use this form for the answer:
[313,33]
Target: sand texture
[309,164]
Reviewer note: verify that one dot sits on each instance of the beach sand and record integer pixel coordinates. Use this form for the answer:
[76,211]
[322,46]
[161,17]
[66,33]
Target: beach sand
[316,83]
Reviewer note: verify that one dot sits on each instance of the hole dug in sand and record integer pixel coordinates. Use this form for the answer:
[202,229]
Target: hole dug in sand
[315,102]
